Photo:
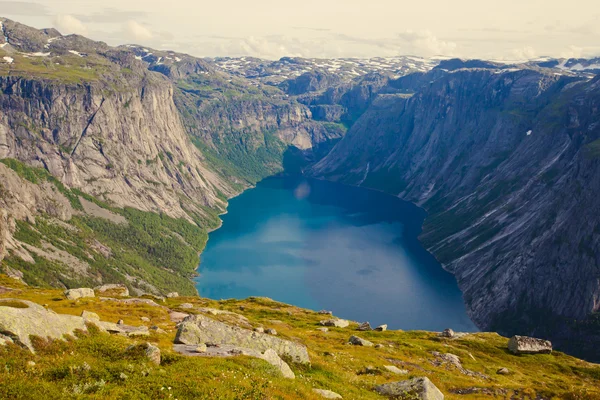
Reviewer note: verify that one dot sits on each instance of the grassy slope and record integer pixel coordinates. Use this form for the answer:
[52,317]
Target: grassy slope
[335,365]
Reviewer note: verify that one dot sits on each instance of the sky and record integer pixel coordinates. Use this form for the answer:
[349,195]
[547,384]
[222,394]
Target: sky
[508,29]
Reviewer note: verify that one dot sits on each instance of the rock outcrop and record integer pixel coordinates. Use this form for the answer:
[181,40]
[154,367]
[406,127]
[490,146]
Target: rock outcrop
[20,319]
[74,294]
[417,388]
[529,345]
[196,329]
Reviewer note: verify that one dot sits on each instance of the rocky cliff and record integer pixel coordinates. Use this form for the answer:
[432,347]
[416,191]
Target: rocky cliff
[506,163]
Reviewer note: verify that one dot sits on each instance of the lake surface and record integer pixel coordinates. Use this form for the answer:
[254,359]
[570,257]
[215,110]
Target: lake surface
[322,245]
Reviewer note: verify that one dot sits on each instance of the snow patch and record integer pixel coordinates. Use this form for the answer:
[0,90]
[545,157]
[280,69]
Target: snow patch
[529,132]
[76,53]
[8,59]
[38,54]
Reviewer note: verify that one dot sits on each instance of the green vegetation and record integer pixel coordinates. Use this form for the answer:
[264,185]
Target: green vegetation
[100,366]
[65,68]
[156,250]
[238,157]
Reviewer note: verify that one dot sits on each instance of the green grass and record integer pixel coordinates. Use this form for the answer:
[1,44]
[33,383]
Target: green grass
[60,371]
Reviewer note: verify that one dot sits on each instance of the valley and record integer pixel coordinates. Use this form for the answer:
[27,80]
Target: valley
[503,157]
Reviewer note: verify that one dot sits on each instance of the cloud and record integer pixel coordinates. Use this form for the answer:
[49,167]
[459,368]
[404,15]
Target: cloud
[69,24]
[525,53]
[135,31]
[425,43]
[23,8]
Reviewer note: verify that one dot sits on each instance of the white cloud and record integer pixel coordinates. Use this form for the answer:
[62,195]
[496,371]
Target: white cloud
[424,43]
[67,24]
[524,53]
[135,31]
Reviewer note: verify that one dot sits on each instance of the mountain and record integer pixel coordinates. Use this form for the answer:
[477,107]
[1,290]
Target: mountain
[505,161]
[117,161]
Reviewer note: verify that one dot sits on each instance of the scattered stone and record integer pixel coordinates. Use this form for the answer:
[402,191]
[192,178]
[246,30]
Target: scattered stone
[90,316]
[448,333]
[113,289]
[327,394]
[272,358]
[145,319]
[259,329]
[325,330]
[529,345]
[31,364]
[120,322]
[177,316]
[365,326]
[503,371]
[133,331]
[122,376]
[356,341]
[157,329]
[152,353]
[172,295]
[395,370]
[453,361]
[325,312]
[417,388]
[201,348]
[74,294]
[186,305]
[271,332]
[381,328]
[196,329]
[338,323]
[20,319]
[378,346]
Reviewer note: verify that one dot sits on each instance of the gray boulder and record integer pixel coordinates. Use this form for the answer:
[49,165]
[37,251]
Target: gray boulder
[529,345]
[447,333]
[74,294]
[272,358]
[338,323]
[327,394]
[355,340]
[413,389]
[20,319]
[381,328]
[196,329]
[90,316]
[395,370]
[365,326]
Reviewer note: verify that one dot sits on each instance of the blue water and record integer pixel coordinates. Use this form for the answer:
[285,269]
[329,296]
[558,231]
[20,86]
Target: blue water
[322,245]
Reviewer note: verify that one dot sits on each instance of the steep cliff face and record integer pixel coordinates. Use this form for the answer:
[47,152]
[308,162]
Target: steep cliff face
[506,163]
[126,146]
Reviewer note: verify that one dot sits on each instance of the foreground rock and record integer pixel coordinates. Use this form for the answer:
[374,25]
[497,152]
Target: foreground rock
[395,370]
[338,323]
[417,389]
[74,294]
[365,326]
[20,319]
[227,350]
[113,289]
[355,340]
[327,394]
[196,329]
[529,345]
